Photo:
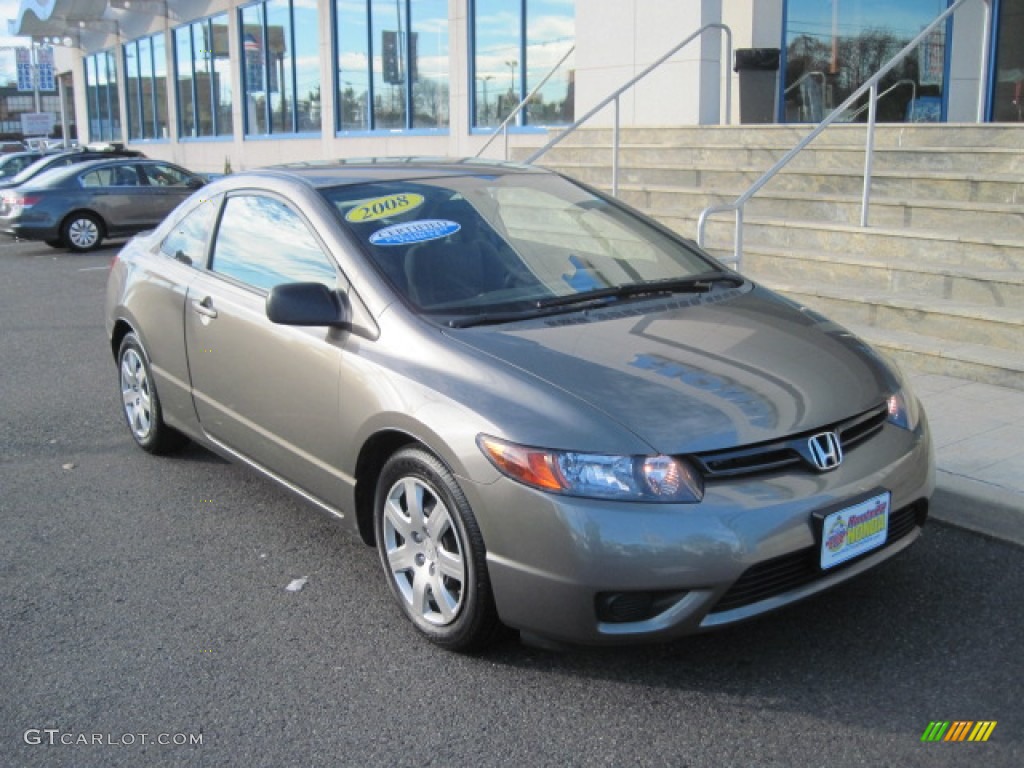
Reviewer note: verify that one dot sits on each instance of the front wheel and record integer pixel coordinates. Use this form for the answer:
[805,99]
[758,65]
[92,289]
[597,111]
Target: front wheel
[82,232]
[433,553]
[141,403]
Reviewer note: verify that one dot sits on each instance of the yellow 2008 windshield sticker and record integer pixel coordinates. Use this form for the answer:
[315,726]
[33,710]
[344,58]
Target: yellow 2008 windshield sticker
[379,207]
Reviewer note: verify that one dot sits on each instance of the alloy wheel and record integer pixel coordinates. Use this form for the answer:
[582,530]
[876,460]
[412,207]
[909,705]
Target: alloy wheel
[425,556]
[83,233]
[135,394]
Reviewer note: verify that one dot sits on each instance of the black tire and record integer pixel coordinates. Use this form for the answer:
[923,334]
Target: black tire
[82,232]
[140,402]
[434,557]
[55,243]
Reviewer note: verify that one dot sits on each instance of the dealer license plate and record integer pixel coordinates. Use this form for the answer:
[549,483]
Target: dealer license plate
[855,530]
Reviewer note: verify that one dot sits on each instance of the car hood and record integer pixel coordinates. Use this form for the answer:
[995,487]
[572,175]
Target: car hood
[730,368]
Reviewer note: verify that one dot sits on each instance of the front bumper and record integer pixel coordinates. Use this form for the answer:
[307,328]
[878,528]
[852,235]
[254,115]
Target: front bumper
[555,561]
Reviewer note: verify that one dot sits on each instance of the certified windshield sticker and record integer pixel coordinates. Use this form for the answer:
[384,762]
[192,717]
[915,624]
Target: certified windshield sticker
[414,232]
[380,207]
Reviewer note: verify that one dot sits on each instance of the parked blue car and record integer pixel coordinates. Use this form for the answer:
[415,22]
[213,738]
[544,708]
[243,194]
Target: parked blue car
[77,207]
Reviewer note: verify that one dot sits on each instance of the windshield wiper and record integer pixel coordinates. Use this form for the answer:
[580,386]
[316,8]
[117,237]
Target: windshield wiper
[694,284]
[494,318]
[560,304]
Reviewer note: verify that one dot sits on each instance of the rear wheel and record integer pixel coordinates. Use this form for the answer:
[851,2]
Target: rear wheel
[82,232]
[433,553]
[141,403]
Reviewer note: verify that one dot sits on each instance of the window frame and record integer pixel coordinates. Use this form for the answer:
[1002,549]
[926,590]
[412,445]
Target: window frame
[150,119]
[217,131]
[103,112]
[522,122]
[291,131]
[370,119]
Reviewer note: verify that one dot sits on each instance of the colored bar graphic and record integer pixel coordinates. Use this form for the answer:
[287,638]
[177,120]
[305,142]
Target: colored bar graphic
[982,730]
[959,730]
[935,731]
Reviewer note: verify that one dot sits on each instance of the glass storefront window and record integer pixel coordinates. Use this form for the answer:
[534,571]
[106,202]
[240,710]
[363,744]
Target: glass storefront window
[307,68]
[185,78]
[102,96]
[281,69]
[145,85]
[428,57]
[159,81]
[1008,88]
[222,97]
[352,34]
[834,46]
[550,33]
[497,33]
[131,85]
[254,71]
[203,75]
[392,65]
[515,45]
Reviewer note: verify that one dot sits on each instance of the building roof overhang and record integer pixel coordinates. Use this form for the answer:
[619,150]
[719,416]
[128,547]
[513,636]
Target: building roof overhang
[81,20]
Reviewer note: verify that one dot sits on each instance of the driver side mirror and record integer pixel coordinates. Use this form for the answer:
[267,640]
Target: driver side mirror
[308,304]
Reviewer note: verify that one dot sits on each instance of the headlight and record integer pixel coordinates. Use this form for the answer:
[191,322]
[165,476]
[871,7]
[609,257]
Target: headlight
[904,410]
[596,476]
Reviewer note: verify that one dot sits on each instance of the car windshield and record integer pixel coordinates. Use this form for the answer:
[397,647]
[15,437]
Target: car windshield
[31,170]
[469,245]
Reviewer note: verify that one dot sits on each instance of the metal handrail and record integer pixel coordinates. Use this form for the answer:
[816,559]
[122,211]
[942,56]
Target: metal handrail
[614,97]
[913,96]
[503,128]
[736,206]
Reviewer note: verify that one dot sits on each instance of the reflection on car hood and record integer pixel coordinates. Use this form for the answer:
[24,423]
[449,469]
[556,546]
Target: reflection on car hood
[731,368]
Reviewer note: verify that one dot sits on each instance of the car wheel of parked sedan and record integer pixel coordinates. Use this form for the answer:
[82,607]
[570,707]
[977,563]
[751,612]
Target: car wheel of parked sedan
[433,553]
[82,232]
[141,403]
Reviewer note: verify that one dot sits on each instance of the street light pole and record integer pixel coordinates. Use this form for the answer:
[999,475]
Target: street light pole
[35,77]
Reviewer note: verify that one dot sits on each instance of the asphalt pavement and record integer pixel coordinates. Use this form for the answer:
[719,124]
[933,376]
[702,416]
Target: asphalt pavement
[146,620]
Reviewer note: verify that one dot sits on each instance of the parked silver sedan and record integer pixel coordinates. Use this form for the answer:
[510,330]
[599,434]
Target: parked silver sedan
[78,206]
[546,411]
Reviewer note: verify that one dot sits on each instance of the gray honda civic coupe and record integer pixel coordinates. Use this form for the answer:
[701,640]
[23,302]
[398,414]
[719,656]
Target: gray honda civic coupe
[546,411]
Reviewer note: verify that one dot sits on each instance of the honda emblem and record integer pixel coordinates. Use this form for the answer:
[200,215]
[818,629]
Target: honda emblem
[826,452]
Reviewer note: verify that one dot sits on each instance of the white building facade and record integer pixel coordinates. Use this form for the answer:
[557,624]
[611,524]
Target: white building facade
[210,83]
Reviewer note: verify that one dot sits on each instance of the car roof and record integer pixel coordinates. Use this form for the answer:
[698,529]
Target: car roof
[55,175]
[349,171]
[96,151]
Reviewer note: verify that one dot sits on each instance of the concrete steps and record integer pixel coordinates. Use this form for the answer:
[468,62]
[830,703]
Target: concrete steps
[999,188]
[937,279]
[1000,160]
[985,218]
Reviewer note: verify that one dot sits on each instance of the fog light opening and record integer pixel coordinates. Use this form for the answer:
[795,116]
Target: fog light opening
[626,607]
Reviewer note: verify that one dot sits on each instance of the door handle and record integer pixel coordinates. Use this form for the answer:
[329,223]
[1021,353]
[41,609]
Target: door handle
[204,307]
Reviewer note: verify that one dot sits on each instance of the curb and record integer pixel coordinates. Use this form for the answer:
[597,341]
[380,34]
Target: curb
[978,507]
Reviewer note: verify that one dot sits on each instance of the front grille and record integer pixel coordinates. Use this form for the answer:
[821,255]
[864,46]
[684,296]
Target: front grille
[779,454]
[782,574]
